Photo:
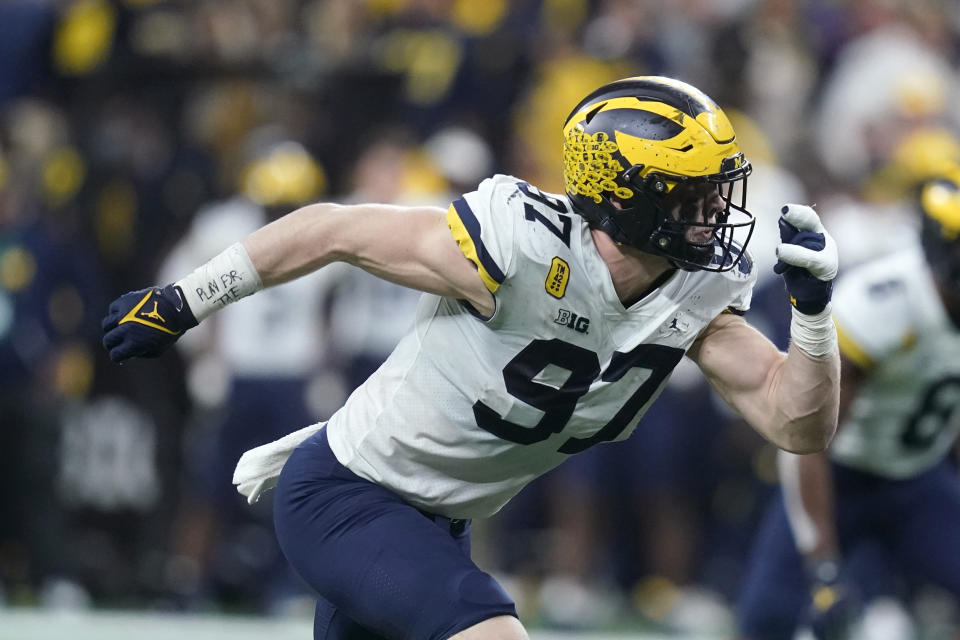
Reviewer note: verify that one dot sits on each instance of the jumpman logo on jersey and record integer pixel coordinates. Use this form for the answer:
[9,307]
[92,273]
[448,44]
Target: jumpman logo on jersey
[155,315]
[678,324]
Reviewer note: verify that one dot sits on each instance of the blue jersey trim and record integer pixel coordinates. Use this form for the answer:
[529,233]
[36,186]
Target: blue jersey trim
[472,225]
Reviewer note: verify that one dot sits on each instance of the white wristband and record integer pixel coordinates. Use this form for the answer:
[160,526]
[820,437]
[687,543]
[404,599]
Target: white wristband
[815,334]
[224,279]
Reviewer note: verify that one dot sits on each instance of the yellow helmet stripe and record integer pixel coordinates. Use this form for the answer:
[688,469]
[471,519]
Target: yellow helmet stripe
[466,231]
[674,155]
[714,121]
[630,102]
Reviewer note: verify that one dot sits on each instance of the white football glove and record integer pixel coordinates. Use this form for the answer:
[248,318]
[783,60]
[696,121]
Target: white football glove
[808,264]
[259,468]
[808,258]
[822,263]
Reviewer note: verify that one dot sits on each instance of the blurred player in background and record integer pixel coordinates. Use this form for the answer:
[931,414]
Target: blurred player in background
[886,497]
[368,315]
[549,325]
[247,391]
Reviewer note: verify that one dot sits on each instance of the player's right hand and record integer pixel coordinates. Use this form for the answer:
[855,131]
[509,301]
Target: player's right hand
[145,323]
[836,605]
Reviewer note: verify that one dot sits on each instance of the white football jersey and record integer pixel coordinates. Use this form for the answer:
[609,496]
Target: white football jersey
[891,322]
[467,410]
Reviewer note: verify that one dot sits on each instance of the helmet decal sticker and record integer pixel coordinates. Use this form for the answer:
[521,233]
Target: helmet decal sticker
[589,168]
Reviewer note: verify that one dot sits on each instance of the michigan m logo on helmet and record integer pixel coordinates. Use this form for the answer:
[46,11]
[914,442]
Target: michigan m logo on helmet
[637,151]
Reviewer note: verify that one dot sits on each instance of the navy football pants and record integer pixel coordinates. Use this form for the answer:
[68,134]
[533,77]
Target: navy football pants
[382,569]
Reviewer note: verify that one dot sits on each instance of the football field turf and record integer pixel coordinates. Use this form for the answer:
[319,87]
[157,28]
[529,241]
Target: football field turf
[33,624]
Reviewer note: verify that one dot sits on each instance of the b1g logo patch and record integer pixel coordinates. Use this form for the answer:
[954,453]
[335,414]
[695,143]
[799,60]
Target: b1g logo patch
[557,278]
[580,324]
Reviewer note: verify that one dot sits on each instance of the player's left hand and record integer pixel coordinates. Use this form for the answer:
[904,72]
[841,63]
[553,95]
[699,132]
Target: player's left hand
[145,323]
[835,606]
[807,258]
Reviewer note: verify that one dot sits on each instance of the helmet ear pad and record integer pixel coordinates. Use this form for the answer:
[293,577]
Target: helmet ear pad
[632,222]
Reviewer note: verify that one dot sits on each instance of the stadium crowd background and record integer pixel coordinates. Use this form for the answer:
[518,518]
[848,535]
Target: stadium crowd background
[137,138]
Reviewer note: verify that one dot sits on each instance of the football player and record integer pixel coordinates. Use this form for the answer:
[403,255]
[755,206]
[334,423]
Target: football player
[887,484]
[549,324]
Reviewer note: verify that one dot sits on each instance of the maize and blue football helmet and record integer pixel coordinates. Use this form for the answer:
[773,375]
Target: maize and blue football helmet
[635,149]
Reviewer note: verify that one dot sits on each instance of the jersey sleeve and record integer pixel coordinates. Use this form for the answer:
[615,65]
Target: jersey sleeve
[743,278]
[871,312]
[484,228]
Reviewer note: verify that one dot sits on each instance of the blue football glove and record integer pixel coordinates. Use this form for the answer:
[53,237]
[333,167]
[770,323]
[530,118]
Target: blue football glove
[835,606]
[145,323]
[807,258]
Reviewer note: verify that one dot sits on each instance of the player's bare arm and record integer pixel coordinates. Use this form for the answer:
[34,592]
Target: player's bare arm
[808,484]
[790,398]
[410,246]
